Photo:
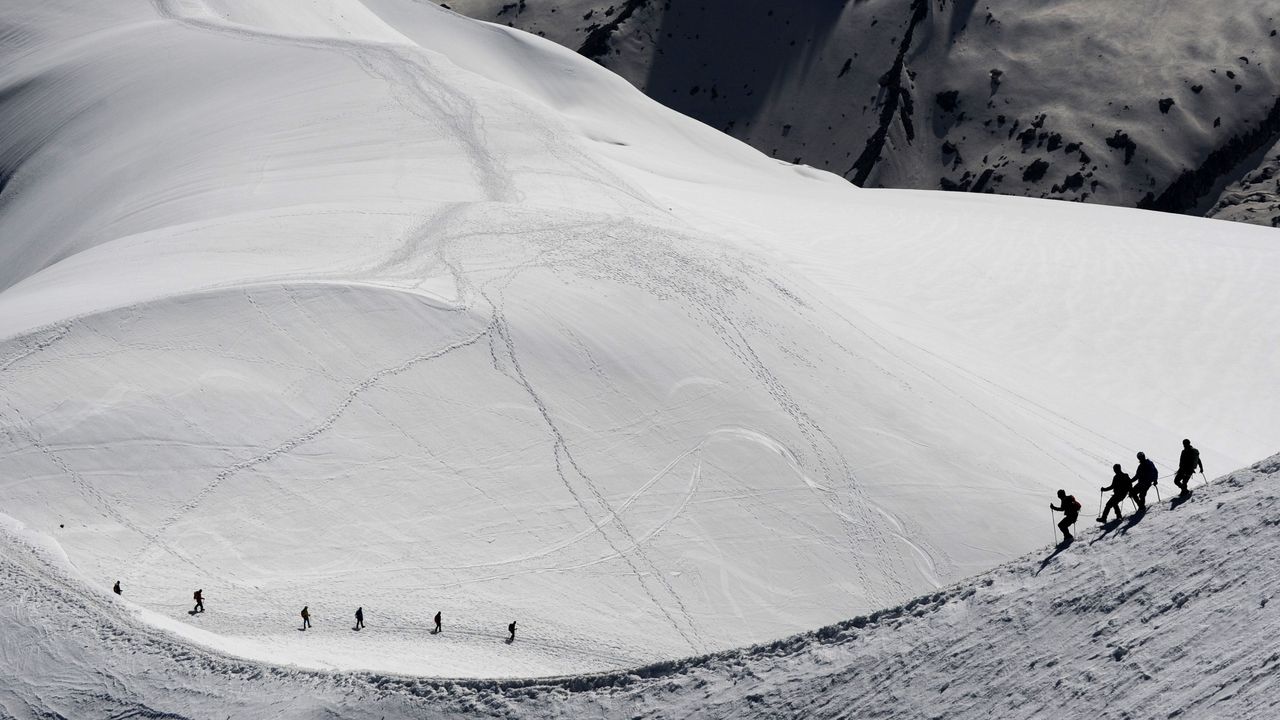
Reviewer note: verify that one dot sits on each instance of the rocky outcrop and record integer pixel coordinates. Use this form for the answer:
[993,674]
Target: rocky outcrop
[871,89]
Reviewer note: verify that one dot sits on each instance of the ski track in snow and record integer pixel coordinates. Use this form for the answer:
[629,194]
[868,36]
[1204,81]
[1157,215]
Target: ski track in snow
[850,505]
[399,68]
[36,347]
[292,443]
[561,448]
[597,526]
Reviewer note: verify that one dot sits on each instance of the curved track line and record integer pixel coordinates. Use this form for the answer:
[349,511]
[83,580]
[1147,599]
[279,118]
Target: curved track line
[318,429]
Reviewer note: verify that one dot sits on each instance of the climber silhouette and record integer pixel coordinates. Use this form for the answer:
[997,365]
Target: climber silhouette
[1143,479]
[359,617]
[1188,463]
[437,630]
[1070,512]
[511,629]
[306,618]
[1120,486]
[116,588]
[198,596]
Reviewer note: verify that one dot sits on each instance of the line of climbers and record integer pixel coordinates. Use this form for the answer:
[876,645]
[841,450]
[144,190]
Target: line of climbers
[198,596]
[1123,487]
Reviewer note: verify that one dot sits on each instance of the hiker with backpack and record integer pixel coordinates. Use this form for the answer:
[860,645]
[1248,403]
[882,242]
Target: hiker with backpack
[1188,463]
[1120,487]
[1070,511]
[1144,478]
[306,618]
[198,596]
[359,618]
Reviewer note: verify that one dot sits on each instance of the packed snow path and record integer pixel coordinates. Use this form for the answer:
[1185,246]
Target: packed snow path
[340,304]
[1173,614]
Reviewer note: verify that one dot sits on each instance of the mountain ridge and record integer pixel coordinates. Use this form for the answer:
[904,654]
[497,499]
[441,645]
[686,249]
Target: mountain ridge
[983,645]
[1077,101]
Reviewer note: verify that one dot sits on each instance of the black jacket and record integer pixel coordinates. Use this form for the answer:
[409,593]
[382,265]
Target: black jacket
[1146,473]
[1190,460]
[1070,506]
[1121,484]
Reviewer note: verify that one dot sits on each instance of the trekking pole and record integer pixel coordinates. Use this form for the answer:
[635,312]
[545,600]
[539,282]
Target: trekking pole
[1053,526]
[1206,478]
[1100,494]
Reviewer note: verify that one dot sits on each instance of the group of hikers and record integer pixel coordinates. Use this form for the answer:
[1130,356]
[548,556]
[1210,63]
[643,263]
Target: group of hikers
[1134,488]
[198,596]
[1122,488]
[306,621]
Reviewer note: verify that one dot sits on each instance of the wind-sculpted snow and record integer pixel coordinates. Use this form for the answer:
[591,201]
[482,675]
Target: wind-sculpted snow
[342,305]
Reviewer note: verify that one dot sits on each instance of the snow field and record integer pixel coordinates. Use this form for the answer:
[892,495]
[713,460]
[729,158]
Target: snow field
[1169,616]
[374,305]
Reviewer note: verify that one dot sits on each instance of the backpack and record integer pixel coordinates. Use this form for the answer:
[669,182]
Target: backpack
[1072,505]
[1147,472]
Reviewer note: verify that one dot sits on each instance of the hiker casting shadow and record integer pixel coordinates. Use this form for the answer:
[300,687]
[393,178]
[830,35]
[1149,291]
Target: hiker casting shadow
[1120,487]
[1188,463]
[1070,513]
[1144,478]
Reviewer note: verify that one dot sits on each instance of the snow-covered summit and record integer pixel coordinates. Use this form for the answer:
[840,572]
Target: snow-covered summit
[368,304]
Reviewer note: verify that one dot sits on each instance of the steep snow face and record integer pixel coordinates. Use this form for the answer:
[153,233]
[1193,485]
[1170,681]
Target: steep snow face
[1167,615]
[373,305]
[1117,103]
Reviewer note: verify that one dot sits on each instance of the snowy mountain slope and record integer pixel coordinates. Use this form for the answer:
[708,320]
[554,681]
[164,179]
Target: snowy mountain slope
[1255,197]
[1172,614]
[1169,616]
[1166,615]
[1126,104]
[342,304]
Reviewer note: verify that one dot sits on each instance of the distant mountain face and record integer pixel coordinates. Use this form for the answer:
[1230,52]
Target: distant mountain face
[1157,105]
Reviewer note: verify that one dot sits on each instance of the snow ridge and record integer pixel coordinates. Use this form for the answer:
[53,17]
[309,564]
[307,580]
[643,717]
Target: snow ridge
[1164,615]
